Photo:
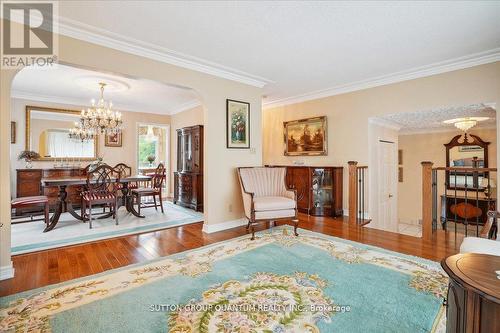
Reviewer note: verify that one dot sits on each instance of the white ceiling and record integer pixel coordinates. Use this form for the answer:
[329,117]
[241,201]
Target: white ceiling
[433,120]
[298,50]
[71,85]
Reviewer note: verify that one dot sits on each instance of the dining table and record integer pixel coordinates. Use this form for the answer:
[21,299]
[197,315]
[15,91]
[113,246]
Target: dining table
[63,205]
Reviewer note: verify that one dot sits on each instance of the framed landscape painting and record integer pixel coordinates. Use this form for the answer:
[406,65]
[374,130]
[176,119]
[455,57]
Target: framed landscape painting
[113,140]
[238,124]
[305,137]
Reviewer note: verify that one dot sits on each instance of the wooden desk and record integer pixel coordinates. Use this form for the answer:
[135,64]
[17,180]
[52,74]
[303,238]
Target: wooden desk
[473,301]
[64,205]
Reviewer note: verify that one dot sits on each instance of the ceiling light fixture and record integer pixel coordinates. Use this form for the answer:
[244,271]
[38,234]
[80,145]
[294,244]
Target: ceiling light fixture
[98,119]
[465,123]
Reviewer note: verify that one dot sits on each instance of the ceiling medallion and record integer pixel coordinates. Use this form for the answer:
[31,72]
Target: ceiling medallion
[465,123]
[98,119]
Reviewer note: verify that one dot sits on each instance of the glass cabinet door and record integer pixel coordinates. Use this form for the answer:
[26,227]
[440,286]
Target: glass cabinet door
[322,191]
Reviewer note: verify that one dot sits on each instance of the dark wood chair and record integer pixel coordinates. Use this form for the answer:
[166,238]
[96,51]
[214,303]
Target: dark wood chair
[153,191]
[39,200]
[101,189]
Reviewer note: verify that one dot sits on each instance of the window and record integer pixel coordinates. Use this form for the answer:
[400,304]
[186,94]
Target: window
[151,146]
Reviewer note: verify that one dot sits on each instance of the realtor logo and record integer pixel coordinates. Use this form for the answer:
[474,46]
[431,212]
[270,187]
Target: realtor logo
[28,36]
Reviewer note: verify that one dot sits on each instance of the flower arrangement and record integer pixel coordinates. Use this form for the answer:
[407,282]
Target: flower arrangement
[151,159]
[28,156]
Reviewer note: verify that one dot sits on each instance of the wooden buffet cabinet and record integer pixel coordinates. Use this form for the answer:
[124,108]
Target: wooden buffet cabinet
[473,300]
[29,184]
[188,179]
[319,189]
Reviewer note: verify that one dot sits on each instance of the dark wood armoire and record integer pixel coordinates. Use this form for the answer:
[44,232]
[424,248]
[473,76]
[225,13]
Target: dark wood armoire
[188,179]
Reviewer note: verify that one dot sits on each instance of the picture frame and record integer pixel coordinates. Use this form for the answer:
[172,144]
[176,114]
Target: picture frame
[13,132]
[237,124]
[305,137]
[113,140]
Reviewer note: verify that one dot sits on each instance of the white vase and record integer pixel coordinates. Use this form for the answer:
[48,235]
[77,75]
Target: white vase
[29,165]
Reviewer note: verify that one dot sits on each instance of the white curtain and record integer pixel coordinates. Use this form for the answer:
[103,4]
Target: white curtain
[60,145]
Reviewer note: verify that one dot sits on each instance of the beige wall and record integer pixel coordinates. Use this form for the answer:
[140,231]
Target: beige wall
[429,147]
[348,114]
[111,155]
[220,182]
[186,118]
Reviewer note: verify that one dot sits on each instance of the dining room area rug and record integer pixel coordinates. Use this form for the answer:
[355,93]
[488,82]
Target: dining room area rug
[277,283]
[29,237]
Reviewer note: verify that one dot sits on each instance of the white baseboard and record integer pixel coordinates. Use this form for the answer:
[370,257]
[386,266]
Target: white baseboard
[210,228]
[7,272]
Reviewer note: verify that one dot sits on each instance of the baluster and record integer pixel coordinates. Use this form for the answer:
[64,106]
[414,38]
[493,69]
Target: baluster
[466,222]
[455,186]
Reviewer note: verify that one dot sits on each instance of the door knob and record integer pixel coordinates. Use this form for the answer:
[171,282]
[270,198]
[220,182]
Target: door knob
[390,195]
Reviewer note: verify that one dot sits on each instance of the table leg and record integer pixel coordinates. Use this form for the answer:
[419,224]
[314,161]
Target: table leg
[129,201]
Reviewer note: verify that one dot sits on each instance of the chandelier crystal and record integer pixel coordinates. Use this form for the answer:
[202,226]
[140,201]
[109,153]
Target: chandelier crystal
[465,123]
[99,118]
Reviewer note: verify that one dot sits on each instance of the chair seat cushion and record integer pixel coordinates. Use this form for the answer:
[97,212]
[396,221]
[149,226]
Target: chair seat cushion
[145,191]
[24,201]
[480,245]
[130,186]
[262,204]
[95,196]
[275,214]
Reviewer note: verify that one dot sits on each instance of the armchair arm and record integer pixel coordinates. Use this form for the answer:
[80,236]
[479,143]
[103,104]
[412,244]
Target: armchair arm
[247,203]
[490,225]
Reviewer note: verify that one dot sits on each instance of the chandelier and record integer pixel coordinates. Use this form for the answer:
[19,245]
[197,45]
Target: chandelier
[80,134]
[465,123]
[99,118]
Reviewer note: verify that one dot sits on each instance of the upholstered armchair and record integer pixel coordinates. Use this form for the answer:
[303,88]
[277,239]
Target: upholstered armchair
[266,196]
[482,244]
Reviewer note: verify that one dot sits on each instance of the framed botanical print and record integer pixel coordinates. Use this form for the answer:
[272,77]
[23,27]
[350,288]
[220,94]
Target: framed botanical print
[113,140]
[237,124]
[305,137]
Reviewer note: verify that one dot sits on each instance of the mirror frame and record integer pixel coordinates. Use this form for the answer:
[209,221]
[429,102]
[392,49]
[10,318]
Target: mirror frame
[30,108]
[455,142]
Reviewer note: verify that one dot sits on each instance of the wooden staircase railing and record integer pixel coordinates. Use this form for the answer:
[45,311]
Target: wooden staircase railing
[357,196]
[465,204]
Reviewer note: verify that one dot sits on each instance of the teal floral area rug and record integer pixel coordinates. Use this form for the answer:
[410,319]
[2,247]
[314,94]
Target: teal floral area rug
[277,283]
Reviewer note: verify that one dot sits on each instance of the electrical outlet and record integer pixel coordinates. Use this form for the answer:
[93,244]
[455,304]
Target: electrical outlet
[253,150]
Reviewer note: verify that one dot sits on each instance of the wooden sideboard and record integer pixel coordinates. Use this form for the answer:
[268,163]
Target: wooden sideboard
[29,184]
[473,300]
[188,179]
[319,189]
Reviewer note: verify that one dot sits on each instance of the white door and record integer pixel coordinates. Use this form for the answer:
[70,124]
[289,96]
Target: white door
[387,186]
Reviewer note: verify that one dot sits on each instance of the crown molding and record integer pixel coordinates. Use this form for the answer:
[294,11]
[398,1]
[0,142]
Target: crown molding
[385,123]
[186,106]
[471,60]
[442,130]
[18,94]
[91,34]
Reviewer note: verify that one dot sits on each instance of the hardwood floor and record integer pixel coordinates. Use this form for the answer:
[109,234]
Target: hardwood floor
[47,267]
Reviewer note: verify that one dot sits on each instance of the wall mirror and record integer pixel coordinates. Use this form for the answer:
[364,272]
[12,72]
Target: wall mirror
[464,152]
[47,133]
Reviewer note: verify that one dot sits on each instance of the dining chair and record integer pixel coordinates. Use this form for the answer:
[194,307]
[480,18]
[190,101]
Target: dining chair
[101,189]
[153,191]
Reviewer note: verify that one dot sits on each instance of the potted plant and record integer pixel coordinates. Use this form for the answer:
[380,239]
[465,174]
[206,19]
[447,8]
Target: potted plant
[151,159]
[28,156]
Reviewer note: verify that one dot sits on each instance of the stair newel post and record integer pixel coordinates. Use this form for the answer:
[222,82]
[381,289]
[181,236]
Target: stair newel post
[353,190]
[427,200]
